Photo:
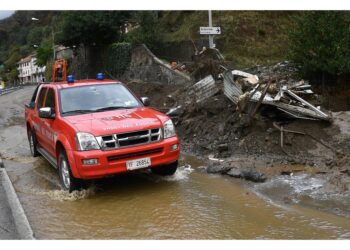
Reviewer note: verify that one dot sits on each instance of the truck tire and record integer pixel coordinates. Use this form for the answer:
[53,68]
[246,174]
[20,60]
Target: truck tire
[165,170]
[33,144]
[68,181]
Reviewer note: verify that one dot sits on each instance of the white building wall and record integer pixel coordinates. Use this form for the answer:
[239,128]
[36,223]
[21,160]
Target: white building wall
[29,72]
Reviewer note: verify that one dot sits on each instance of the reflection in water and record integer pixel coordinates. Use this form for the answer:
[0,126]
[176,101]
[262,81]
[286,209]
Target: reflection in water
[189,205]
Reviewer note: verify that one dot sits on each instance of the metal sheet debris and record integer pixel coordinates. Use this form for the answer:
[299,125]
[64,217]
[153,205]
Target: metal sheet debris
[281,95]
[205,88]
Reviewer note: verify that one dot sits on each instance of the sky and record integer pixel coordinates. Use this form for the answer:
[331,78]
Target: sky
[5,13]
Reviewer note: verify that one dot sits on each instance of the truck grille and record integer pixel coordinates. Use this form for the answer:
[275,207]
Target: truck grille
[135,138]
[135,154]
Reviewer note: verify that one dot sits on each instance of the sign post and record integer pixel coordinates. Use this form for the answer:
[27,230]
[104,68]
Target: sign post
[210,30]
[211,37]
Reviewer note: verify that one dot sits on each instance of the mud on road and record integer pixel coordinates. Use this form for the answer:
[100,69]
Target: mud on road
[216,133]
[190,205]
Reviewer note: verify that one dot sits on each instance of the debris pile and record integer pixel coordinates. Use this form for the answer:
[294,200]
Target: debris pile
[246,122]
[243,88]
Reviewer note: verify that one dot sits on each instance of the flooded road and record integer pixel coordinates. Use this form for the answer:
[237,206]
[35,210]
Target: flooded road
[189,205]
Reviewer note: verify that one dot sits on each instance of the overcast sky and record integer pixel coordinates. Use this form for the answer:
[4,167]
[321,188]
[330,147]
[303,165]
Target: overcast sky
[5,13]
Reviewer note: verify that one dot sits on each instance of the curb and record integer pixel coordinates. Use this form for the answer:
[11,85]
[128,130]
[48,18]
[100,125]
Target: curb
[23,227]
[10,91]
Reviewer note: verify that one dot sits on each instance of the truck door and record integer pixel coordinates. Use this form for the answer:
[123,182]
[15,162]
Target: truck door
[37,121]
[48,125]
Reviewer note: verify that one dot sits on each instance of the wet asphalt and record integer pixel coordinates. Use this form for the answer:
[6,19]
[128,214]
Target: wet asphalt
[7,226]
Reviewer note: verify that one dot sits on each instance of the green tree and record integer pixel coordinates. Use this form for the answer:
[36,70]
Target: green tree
[149,30]
[35,36]
[118,58]
[92,27]
[10,64]
[320,43]
[44,52]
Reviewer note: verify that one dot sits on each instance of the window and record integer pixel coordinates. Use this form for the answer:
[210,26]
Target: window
[95,98]
[50,99]
[41,97]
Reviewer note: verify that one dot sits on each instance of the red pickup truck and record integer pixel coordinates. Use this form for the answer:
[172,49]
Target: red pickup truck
[89,129]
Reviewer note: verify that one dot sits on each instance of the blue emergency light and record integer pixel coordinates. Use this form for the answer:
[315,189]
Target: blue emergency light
[99,76]
[70,79]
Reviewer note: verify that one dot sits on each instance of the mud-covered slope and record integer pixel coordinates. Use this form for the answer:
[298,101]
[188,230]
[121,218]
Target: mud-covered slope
[214,129]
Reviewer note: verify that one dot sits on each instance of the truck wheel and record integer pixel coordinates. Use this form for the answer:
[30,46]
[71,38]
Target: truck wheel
[33,143]
[165,170]
[68,182]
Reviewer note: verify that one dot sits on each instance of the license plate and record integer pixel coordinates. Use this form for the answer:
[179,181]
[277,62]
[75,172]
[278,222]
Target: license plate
[139,163]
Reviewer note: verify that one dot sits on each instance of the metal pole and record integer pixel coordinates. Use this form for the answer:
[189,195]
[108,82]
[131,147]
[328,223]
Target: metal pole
[53,38]
[211,37]
[53,44]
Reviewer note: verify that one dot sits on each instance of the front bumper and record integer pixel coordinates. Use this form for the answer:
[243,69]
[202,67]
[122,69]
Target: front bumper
[114,161]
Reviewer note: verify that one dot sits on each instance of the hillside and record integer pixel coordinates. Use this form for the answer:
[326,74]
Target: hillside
[248,37]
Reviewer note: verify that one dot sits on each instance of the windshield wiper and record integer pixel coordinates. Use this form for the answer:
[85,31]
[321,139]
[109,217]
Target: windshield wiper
[112,108]
[78,111]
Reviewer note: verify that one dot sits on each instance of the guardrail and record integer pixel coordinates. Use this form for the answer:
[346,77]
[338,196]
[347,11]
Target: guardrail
[9,90]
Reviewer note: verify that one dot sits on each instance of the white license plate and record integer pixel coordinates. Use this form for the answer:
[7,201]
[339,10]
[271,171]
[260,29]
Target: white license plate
[139,163]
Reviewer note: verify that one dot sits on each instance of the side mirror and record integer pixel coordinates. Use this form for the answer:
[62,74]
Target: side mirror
[47,113]
[145,101]
[30,105]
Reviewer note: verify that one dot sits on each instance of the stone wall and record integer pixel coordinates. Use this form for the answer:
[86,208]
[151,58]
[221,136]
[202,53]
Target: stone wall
[147,67]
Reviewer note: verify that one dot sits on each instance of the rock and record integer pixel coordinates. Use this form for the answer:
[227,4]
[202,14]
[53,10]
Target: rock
[234,172]
[329,162]
[223,147]
[269,130]
[339,153]
[221,129]
[217,168]
[286,173]
[253,175]
[175,111]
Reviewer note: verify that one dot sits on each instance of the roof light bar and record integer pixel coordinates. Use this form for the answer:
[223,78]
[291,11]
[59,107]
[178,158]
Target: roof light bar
[70,79]
[100,76]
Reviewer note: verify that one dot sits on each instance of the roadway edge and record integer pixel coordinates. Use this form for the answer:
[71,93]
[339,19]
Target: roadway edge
[23,227]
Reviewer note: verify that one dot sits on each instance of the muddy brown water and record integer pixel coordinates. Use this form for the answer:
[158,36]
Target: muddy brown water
[189,205]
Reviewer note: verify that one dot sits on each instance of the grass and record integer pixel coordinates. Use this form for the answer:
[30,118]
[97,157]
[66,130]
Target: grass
[248,37]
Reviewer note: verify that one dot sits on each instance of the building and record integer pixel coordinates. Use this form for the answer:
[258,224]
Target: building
[29,72]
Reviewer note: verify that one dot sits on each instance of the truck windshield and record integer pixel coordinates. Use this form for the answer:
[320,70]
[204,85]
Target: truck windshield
[96,98]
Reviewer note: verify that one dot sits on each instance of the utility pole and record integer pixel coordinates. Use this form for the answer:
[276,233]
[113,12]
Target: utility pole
[53,43]
[53,37]
[211,37]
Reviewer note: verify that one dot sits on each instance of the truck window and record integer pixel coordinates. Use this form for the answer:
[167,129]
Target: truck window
[34,94]
[41,97]
[94,98]
[50,99]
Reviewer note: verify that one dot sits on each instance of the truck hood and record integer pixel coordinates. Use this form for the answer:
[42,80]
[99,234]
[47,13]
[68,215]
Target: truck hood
[117,121]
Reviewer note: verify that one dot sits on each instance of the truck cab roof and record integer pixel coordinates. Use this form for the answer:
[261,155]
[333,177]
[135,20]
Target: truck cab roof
[65,84]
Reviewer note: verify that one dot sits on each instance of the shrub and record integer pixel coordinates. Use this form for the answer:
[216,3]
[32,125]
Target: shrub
[320,43]
[118,58]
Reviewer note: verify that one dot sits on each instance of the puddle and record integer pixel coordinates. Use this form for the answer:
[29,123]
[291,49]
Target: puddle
[306,190]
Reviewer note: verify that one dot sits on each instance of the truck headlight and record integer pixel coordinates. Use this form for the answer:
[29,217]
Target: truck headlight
[169,129]
[86,141]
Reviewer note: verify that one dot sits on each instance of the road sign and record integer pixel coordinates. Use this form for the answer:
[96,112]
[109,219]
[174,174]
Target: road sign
[210,30]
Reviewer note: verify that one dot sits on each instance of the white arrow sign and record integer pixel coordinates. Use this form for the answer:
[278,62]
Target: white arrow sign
[210,30]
